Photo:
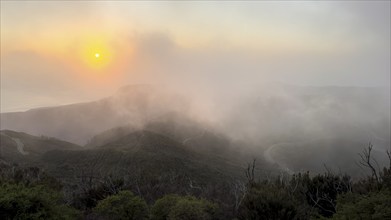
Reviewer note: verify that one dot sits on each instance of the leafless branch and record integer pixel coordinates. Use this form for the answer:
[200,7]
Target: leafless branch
[366,161]
[250,172]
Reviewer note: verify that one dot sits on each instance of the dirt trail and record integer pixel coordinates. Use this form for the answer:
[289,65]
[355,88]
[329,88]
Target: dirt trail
[268,155]
[19,144]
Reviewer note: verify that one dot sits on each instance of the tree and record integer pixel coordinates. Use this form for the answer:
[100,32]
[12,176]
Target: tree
[20,202]
[123,205]
[367,161]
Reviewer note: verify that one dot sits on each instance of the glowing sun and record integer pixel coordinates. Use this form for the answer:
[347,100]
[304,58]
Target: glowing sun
[96,53]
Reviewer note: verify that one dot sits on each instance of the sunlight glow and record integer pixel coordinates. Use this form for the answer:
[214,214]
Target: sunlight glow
[96,53]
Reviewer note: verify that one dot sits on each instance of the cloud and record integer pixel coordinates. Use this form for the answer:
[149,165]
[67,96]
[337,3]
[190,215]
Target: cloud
[202,48]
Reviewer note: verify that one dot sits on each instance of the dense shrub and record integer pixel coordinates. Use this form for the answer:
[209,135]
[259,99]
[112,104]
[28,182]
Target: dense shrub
[268,201]
[123,205]
[28,176]
[29,193]
[174,207]
[20,202]
[375,205]
[162,207]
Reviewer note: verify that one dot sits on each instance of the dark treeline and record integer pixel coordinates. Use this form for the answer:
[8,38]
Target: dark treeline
[30,193]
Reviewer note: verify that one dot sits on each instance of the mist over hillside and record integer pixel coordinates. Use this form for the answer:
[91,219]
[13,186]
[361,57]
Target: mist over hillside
[195,110]
[270,120]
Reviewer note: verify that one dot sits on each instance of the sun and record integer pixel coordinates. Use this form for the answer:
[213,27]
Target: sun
[96,60]
[96,55]
[100,54]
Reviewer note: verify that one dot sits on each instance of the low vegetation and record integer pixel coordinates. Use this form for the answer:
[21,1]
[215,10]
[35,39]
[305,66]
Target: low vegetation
[29,193]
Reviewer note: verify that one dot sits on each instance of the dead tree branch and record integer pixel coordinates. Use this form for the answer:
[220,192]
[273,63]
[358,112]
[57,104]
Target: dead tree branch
[366,161]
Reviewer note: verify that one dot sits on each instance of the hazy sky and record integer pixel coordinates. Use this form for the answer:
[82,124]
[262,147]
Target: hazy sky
[58,52]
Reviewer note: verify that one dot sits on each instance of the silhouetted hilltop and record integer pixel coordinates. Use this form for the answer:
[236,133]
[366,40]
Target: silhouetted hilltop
[79,122]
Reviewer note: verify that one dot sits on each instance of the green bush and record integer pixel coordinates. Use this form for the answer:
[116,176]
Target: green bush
[20,202]
[266,201]
[174,207]
[162,207]
[375,205]
[123,205]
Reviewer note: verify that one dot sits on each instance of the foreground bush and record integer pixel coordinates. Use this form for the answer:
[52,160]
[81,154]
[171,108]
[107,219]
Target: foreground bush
[375,205]
[174,207]
[267,201]
[20,202]
[123,205]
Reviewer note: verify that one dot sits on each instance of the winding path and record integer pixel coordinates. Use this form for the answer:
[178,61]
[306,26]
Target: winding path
[195,137]
[19,144]
[268,155]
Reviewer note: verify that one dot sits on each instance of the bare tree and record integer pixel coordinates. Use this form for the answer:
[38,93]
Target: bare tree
[319,198]
[250,172]
[239,190]
[366,160]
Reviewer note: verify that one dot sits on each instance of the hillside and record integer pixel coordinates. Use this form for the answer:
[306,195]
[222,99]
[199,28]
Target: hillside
[77,123]
[241,126]
[24,148]
[213,148]
[193,135]
[139,151]
[264,114]
[148,162]
[335,154]
[145,150]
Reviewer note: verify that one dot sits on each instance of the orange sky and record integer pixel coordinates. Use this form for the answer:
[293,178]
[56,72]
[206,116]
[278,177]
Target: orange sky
[48,48]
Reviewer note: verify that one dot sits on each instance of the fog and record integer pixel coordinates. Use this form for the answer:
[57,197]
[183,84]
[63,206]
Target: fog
[258,115]
[256,73]
[204,46]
